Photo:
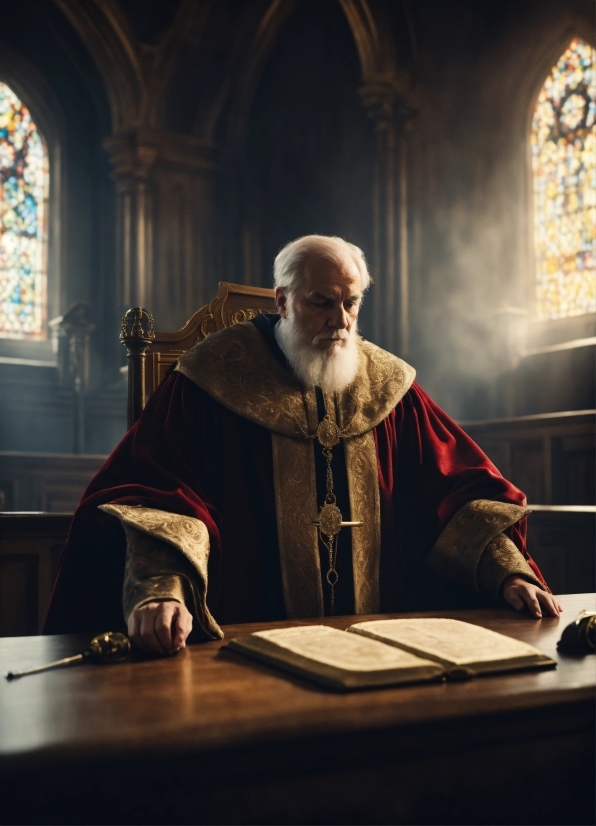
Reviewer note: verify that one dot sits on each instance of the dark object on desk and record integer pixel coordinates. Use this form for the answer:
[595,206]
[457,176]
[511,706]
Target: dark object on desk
[111,647]
[580,636]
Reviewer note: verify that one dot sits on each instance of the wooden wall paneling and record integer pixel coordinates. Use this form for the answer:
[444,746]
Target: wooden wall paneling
[528,469]
[562,539]
[38,417]
[557,376]
[551,457]
[574,469]
[19,594]
[51,482]
[547,470]
[61,497]
[30,550]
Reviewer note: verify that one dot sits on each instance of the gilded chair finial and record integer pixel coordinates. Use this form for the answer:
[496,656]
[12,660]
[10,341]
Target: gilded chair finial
[137,323]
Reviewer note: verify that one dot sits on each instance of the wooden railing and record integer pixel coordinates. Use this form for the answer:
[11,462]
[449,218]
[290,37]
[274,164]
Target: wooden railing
[551,457]
[560,538]
[30,548]
[47,482]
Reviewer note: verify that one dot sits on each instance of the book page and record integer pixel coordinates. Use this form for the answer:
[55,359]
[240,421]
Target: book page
[450,642]
[341,650]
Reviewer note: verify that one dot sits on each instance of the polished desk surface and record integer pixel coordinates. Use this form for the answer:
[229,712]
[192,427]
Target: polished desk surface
[208,698]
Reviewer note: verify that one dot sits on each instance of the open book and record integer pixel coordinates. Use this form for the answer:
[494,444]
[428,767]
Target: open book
[390,652]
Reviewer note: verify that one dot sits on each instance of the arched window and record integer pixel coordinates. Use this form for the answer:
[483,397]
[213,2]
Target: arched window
[564,167]
[24,185]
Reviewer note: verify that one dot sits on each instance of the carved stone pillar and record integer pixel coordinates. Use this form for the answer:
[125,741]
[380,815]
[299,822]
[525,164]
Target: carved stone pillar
[391,115]
[166,223]
[133,162]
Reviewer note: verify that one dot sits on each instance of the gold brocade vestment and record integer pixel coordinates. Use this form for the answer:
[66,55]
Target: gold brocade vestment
[238,370]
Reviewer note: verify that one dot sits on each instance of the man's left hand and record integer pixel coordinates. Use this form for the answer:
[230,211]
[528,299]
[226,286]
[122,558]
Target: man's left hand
[522,594]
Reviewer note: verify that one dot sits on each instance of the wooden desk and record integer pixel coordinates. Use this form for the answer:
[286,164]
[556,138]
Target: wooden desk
[208,736]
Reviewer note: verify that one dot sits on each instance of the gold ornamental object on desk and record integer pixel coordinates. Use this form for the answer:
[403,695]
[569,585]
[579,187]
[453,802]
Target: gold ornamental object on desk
[111,647]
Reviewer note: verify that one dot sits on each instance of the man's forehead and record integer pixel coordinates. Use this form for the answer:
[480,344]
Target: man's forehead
[325,276]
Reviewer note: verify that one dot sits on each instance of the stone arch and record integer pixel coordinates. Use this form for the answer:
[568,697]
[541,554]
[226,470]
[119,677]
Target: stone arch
[104,30]
[374,45]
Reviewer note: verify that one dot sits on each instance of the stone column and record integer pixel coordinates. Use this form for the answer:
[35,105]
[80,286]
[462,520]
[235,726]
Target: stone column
[391,114]
[133,162]
[166,224]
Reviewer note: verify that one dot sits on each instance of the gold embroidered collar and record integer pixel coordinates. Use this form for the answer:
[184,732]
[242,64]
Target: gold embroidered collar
[236,367]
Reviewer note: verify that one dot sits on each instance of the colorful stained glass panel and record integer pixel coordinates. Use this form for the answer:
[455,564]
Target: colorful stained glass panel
[24,181]
[564,167]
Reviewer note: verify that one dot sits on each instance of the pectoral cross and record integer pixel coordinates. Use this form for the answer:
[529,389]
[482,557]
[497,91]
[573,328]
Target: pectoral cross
[330,520]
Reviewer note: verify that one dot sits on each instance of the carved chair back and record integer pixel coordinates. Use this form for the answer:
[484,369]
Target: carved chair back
[151,353]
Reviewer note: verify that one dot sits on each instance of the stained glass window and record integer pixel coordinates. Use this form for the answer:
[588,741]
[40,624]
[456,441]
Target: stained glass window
[564,166]
[24,180]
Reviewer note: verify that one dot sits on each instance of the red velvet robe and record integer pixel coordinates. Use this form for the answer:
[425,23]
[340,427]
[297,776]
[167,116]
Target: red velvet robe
[190,455]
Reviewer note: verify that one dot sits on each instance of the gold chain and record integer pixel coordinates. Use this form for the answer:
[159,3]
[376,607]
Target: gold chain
[330,520]
[330,517]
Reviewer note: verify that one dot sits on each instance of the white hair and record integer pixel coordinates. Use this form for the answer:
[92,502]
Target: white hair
[288,268]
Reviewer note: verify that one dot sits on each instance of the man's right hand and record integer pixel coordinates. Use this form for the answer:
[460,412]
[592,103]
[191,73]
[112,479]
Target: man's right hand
[160,627]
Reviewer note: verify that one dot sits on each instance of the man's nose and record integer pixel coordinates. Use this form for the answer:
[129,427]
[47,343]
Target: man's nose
[338,318]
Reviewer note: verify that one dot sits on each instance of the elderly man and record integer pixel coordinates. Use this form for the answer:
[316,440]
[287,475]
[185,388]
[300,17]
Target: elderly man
[287,468]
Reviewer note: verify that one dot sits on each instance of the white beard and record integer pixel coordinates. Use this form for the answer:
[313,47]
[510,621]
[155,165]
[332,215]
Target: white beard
[332,370]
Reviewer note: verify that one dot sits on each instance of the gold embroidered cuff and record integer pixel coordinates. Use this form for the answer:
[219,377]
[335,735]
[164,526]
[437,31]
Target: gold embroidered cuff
[160,588]
[457,552]
[152,573]
[501,559]
[180,533]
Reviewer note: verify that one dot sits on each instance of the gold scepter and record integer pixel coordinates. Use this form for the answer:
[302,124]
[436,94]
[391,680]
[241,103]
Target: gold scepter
[111,647]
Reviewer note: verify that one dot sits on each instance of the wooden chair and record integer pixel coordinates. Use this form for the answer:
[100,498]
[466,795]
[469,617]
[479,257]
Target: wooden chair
[150,353]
